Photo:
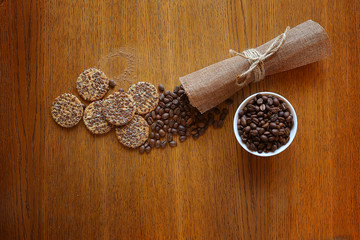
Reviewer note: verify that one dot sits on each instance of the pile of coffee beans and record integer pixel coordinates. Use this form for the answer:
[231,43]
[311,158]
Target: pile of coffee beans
[174,116]
[265,123]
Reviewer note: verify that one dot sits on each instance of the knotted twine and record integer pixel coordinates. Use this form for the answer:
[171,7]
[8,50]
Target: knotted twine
[257,59]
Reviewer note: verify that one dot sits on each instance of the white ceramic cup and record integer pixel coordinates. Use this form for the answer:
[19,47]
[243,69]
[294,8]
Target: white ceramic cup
[292,133]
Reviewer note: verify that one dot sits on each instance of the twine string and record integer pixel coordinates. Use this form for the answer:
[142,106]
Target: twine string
[256,60]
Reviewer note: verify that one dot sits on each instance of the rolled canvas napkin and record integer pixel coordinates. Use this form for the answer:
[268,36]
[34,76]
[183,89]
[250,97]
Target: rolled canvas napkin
[306,43]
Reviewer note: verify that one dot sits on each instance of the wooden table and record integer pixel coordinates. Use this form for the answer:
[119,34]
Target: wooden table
[60,183]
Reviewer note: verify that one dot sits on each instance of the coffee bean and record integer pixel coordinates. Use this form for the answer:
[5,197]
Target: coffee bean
[182,138]
[183,122]
[181,128]
[229,101]
[276,101]
[220,123]
[142,149]
[286,114]
[289,118]
[264,138]
[161,87]
[157,136]
[223,116]
[157,144]
[169,137]
[195,136]
[173,144]
[216,110]
[165,116]
[260,101]
[162,133]
[147,149]
[274,147]
[243,121]
[161,97]
[275,132]
[163,144]
[152,135]
[189,121]
[152,142]
[287,131]
[273,125]
[270,101]
[262,107]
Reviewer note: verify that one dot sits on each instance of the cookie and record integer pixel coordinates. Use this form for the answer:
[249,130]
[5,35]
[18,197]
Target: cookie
[92,84]
[119,108]
[145,95]
[94,119]
[67,110]
[134,134]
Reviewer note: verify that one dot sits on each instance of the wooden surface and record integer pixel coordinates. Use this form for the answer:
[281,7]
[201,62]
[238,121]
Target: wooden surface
[60,183]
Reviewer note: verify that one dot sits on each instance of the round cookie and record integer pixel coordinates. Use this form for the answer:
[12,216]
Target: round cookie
[67,110]
[94,119]
[134,134]
[119,108]
[92,84]
[145,96]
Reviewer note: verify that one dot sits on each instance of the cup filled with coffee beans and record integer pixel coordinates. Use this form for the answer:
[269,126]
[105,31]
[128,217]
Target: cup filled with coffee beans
[265,124]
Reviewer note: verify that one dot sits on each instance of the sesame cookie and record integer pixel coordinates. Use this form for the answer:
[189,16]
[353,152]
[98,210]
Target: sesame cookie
[134,134]
[92,84]
[67,110]
[119,108]
[145,95]
[94,119]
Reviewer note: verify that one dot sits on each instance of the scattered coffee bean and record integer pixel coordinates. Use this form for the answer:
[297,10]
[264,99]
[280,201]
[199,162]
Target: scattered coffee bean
[152,142]
[161,87]
[162,133]
[174,115]
[142,149]
[173,144]
[229,101]
[157,144]
[112,83]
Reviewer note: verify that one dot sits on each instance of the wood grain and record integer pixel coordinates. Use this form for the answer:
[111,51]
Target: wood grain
[68,184]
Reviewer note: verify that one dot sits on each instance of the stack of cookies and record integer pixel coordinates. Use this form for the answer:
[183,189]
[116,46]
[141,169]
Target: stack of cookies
[121,109]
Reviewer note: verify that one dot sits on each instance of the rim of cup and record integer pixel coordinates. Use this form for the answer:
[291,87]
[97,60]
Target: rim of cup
[292,131]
